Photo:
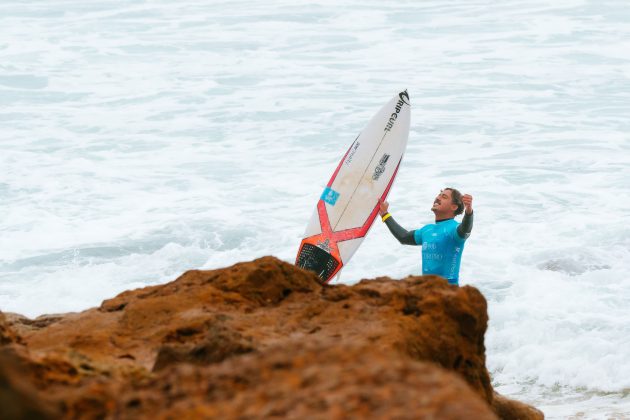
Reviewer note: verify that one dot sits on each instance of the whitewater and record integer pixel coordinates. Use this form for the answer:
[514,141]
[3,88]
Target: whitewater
[140,139]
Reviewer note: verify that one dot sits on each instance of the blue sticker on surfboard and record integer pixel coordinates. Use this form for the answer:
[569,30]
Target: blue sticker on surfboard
[330,196]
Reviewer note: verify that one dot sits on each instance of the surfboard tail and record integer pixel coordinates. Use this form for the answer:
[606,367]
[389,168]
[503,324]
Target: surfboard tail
[314,257]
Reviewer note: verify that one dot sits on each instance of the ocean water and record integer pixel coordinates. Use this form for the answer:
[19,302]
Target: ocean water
[140,139]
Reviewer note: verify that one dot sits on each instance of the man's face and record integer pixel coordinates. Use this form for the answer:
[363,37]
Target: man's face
[443,203]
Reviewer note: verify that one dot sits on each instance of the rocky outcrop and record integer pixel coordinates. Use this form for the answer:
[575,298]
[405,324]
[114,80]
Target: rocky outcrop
[19,398]
[265,339]
[308,380]
[7,335]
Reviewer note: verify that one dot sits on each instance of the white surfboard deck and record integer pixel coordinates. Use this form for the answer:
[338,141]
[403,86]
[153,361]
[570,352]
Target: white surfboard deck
[349,204]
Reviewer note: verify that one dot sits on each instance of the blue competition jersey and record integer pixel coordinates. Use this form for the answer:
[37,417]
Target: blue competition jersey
[441,249]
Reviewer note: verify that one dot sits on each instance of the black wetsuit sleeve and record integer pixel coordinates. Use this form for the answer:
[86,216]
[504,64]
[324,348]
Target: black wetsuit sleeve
[404,236]
[464,229]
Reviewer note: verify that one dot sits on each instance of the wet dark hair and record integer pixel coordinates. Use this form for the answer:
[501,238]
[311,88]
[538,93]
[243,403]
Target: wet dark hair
[456,196]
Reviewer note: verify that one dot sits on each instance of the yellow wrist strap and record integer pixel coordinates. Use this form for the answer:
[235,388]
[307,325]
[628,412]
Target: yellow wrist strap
[386,216]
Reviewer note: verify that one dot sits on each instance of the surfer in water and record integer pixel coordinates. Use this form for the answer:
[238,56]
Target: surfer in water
[443,241]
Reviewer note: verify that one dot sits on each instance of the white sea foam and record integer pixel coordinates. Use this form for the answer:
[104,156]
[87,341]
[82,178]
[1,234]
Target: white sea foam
[140,140]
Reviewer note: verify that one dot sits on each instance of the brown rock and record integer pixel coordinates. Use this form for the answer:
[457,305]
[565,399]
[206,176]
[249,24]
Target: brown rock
[218,343]
[134,355]
[434,321]
[18,397]
[317,380]
[511,409]
[7,334]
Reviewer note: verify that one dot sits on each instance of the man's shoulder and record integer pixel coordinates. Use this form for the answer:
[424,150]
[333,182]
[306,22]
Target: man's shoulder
[449,227]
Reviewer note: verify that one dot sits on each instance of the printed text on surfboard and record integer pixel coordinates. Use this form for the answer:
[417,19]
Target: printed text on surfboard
[404,99]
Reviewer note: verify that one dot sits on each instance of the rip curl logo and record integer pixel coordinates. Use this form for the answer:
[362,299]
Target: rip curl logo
[403,95]
[403,100]
[380,168]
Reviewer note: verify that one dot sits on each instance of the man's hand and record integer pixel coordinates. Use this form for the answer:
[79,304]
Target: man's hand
[383,206]
[467,200]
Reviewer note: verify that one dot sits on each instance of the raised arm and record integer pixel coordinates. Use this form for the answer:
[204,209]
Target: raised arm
[403,235]
[464,229]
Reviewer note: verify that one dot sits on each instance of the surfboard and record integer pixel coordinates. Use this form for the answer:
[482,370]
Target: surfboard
[348,205]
